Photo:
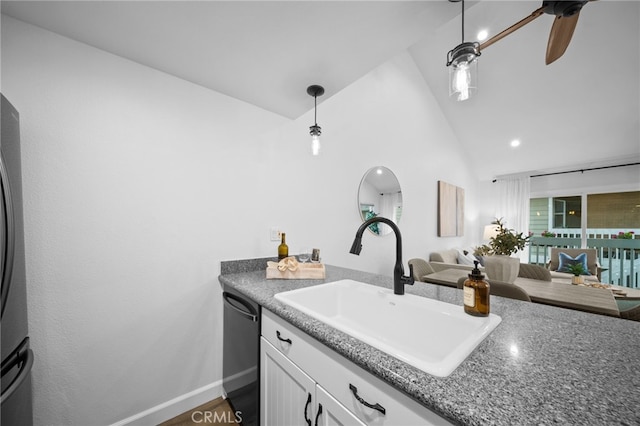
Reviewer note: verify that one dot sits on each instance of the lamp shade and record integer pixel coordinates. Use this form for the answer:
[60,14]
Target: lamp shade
[490,231]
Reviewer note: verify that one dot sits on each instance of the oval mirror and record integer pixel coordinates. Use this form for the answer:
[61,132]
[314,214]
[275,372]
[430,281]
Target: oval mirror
[380,195]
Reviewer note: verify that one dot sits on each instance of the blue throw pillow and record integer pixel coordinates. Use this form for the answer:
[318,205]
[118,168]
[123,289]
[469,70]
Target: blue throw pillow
[566,260]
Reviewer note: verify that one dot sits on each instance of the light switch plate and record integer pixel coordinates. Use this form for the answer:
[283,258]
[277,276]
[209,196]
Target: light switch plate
[274,232]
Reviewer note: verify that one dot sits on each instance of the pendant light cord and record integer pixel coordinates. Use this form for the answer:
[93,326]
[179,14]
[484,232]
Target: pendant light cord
[462,21]
[315,109]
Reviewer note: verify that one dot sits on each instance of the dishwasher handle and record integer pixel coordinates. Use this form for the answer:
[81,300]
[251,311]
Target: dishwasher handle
[250,313]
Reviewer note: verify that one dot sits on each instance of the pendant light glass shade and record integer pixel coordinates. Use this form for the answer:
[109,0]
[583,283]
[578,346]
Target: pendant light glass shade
[315,131]
[463,71]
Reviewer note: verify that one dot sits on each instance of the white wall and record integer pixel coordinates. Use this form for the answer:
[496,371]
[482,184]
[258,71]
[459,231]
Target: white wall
[135,187]
[137,184]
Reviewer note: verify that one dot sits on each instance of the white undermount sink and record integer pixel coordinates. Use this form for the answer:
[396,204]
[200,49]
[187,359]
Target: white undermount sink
[431,335]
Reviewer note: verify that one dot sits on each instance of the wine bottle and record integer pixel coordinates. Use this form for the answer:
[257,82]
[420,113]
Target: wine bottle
[476,294]
[283,248]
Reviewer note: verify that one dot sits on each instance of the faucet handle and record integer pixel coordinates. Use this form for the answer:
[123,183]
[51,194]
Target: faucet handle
[409,279]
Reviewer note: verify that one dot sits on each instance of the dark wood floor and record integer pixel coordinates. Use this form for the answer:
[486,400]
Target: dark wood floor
[216,412]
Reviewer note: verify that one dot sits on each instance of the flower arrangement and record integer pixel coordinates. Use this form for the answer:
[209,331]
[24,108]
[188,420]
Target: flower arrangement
[548,234]
[506,242]
[624,235]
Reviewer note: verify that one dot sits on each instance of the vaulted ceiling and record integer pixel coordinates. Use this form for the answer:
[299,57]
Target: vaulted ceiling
[584,109]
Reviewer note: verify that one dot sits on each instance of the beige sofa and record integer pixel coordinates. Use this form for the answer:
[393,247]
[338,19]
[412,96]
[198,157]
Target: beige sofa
[448,259]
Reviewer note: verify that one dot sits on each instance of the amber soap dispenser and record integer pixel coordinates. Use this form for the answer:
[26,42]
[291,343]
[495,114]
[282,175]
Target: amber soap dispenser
[476,294]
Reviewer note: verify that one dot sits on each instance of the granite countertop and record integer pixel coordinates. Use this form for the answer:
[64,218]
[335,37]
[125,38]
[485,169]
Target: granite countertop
[541,365]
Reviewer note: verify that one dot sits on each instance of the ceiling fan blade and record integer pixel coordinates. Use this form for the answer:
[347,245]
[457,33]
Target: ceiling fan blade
[536,13]
[560,36]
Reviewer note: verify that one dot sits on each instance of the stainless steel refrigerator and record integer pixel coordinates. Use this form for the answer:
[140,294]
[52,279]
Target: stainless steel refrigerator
[17,357]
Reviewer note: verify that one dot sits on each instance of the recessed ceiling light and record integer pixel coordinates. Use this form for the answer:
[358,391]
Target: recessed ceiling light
[515,143]
[482,35]
[379,171]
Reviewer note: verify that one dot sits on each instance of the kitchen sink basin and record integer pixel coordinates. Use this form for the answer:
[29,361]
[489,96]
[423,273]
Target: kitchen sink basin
[431,335]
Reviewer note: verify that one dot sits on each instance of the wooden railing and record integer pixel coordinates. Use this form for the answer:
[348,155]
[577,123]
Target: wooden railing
[618,258]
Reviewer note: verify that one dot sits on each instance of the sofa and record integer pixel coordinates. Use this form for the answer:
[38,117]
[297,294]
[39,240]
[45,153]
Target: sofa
[452,259]
[462,259]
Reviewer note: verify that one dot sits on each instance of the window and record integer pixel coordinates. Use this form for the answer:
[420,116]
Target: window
[567,212]
[561,215]
[613,212]
[607,219]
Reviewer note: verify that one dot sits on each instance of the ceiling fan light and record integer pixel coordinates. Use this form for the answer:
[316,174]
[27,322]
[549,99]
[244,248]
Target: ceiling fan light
[463,70]
[463,67]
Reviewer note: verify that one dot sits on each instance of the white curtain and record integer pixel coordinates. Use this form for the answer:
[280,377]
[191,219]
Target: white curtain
[388,203]
[513,205]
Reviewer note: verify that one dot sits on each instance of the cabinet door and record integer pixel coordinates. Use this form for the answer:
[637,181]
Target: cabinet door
[286,392]
[330,412]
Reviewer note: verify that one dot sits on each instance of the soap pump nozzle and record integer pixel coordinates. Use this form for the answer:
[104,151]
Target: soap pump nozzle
[476,273]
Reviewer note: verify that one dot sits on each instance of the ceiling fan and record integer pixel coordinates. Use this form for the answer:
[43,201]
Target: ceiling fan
[566,13]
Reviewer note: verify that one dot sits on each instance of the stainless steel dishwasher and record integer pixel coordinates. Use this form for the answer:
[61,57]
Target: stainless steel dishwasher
[241,355]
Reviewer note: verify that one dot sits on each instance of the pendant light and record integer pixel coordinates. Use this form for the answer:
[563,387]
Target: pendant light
[463,67]
[315,131]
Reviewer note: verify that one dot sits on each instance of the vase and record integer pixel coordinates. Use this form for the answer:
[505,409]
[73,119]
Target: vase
[577,279]
[502,268]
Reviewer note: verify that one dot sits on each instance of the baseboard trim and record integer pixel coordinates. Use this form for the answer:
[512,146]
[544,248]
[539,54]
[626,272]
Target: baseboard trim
[240,380]
[170,409]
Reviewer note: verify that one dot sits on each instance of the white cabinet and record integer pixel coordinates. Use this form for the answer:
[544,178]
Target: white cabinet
[290,397]
[296,368]
[286,392]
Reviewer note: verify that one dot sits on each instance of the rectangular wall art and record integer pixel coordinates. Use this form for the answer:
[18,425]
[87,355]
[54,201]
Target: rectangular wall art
[450,210]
